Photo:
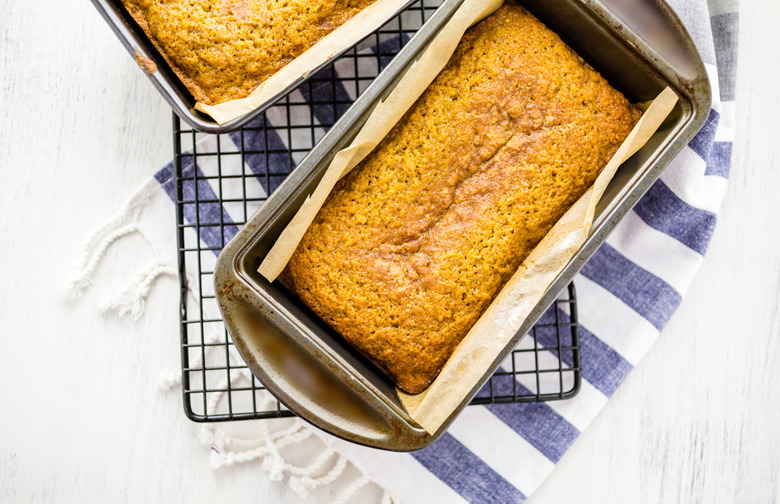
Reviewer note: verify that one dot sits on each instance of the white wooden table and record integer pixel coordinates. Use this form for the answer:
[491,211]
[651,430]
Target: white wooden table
[81,416]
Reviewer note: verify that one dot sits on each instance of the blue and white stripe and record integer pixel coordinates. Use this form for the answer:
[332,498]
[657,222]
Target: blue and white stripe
[627,292]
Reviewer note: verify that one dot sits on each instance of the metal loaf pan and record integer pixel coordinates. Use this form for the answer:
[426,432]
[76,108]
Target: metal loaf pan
[167,82]
[640,47]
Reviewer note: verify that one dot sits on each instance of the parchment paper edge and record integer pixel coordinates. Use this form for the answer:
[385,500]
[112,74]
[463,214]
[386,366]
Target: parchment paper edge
[345,36]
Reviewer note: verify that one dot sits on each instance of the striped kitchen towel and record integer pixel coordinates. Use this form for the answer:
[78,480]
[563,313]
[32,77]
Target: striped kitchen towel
[497,453]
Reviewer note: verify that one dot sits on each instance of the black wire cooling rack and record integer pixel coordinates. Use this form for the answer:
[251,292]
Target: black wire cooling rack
[221,180]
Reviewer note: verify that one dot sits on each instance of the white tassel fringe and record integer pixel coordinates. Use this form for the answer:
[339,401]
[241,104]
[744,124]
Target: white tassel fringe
[227,450]
[130,302]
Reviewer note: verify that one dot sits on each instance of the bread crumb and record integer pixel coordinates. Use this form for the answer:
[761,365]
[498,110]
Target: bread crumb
[145,63]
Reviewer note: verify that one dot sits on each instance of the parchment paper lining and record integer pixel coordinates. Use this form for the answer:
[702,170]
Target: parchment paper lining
[492,332]
[342,38]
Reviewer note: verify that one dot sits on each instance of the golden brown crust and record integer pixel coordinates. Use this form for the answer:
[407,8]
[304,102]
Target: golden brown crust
[223,49]
[413,245]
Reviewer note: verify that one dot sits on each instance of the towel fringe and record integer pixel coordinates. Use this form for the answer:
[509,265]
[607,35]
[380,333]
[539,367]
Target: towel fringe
[92,254]
[352,488]
[169,379]
[227,450]
[124,222]
[302,485]
[130,302]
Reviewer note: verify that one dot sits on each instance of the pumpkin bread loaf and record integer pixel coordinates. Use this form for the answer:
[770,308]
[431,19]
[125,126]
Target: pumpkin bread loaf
[223,49]
[413,245]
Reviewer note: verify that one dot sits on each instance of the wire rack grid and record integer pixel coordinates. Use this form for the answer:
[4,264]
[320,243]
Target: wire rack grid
[221,180]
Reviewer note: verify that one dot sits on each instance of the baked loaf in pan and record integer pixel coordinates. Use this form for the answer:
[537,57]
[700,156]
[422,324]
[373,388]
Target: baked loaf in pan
[413,245]
[223,49]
